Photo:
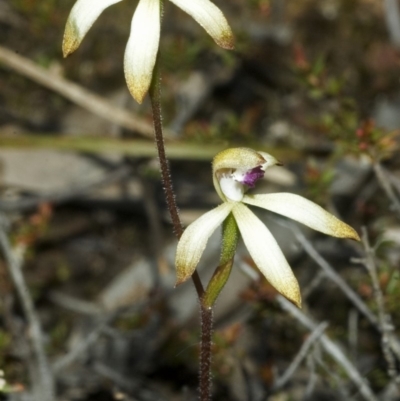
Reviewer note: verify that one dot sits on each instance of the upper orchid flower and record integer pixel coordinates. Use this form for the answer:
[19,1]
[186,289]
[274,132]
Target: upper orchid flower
[234,172]
[142,48]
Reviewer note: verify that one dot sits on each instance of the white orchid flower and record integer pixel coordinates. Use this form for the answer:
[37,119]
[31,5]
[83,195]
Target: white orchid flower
[143,42]
[234,172]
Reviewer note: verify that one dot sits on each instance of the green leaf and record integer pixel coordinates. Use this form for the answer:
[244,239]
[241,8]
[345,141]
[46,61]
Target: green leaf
[230,237]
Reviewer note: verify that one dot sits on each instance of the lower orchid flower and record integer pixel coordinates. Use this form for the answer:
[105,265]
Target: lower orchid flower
[234,172]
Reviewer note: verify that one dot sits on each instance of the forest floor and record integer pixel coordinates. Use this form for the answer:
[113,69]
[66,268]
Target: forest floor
[83,217]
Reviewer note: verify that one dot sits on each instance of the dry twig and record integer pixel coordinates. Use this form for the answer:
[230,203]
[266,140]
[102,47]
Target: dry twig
[312,380]
[76,94]
[385,320]
[43,389]
[386,185]
[332,275]
[301,355]
[82,347]
[331,348]
[362,307]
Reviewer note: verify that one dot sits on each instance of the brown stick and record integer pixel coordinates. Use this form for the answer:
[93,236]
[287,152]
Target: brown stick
[155,96]
[44,389]
[75,93]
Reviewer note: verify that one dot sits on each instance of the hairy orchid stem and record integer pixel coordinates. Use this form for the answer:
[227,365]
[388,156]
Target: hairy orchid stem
[206,314]
[205,381]
[155,96]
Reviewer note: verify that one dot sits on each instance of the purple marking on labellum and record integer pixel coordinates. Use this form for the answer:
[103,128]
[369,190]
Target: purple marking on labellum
[252,176]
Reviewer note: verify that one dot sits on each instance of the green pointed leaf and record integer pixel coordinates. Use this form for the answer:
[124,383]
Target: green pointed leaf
[230,237]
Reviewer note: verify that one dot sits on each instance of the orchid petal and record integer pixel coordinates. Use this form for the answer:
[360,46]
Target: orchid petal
[232,189]
[304,211]
[194,240]
[141,50]
[211,18]
[266,253]
[83,14]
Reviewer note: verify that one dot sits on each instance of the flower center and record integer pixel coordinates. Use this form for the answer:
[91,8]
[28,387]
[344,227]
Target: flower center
[252,176]
[235,183]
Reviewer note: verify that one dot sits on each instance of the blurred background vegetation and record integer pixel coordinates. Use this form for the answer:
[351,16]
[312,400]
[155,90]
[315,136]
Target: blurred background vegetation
[317,84]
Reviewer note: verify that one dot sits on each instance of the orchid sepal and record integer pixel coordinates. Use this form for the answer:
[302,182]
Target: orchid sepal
[194,240]
[81,18]
[266,253]
[211,18]
[142,48]
[303,211]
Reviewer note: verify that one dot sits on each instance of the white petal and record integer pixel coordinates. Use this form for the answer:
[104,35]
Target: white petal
[194,240]
[210,17]
[266,253]
[304,211]
[141,50]
[232,189]
[83,14]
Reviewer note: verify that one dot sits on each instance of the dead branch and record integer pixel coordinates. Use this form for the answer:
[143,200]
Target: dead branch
[301,355]
[332,275]
[76,94]
[386,185]
[44,389]
[331,348]
[385,320]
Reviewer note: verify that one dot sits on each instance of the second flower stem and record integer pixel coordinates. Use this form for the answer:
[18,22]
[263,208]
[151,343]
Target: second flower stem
[206,313]
[155,96]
